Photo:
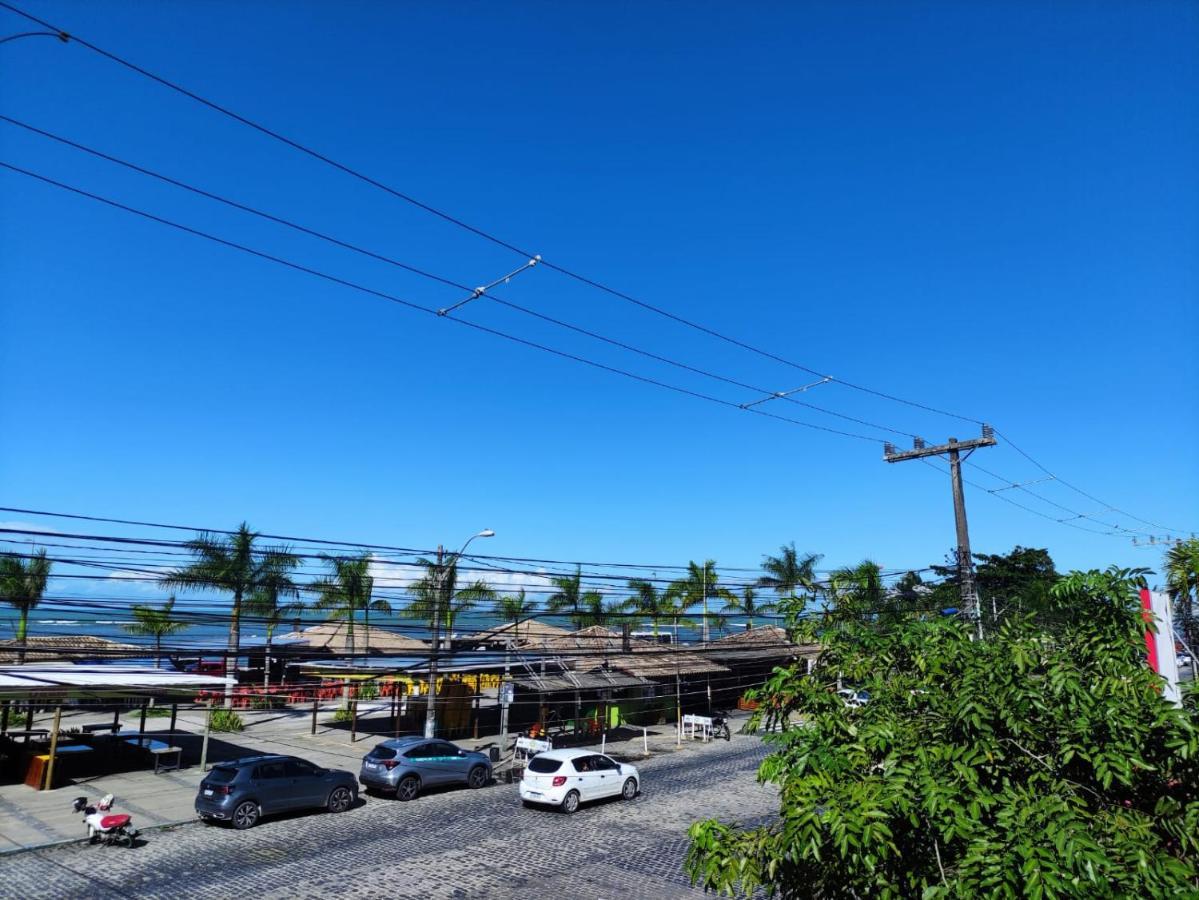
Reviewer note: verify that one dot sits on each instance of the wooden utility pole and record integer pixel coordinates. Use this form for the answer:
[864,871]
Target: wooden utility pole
[953,449]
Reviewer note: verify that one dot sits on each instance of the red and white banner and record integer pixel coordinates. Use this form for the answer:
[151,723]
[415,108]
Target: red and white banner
[1162,658]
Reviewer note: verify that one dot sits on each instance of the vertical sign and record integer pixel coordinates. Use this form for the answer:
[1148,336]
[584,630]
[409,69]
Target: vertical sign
[1162,658]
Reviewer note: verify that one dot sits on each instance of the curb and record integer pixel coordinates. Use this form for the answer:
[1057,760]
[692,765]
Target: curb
[63,842]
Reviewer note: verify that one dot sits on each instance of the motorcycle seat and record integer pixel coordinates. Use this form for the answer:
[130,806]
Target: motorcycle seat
[113,822]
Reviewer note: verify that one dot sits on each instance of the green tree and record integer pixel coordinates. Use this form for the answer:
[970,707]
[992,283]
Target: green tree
[436,595]
[22,585]
[648,601]
[749,606]
[789,572]
[1182,583]
[231,564]
[156,622]
[269,601]
[1043,761]
[698,588]
[347,590]
[1007,583]
[514,608]
[583,605]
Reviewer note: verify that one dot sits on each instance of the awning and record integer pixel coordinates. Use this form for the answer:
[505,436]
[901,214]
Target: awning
[96,680]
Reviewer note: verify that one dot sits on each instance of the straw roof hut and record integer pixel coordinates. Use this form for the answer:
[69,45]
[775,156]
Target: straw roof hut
[653,661]
[595,638]
[69,648]
[333,637]
[769,642]
[528,633]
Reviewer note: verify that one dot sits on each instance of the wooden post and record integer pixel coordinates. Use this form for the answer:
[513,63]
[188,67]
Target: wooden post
[174,715]
[28,720]
[478,696]
[141,729]
[204,746]
[395,697]
[4,716]
[116,719]
[315,704]
[353,721]
[53,747]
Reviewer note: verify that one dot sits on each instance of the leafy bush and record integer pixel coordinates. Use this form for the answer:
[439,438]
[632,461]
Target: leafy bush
[226,720]
[368,690]
[1041,761]
[343,715]
[158,712]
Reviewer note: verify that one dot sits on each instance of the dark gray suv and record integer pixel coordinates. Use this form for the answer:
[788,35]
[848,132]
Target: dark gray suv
[407,765]
[242,791]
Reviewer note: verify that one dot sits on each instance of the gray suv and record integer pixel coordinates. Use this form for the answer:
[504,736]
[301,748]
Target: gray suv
[407,765]
[242,791]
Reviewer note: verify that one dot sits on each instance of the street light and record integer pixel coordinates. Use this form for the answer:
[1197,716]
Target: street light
[438,583]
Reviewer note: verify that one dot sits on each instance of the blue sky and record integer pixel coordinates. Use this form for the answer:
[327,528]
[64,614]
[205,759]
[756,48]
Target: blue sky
[988,208]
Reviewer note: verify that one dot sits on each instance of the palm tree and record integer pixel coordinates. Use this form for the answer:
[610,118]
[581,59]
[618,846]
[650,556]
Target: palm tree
[513,608]
[156,622]
[437,597]
[700,585]
[269,600]
[346,590]
[229,563]
[570,595]
[648,601]
[1182,581]
[858,589]
[22,584]
[749,606]
[789,572]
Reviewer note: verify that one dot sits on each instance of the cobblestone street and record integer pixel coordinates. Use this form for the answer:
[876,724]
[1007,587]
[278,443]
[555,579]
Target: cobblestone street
[452,844]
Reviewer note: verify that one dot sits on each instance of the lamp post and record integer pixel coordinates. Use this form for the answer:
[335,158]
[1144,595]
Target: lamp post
[438,586]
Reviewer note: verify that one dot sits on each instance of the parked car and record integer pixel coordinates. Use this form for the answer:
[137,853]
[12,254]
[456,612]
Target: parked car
[854,699]
[242,791]
[406,766]
[566,778]
[1184,660]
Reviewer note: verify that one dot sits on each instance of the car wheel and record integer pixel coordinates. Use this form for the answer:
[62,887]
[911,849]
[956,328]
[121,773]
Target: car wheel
[527,804]
[477,777]
[246,815]
[408,787]
[340,799]
[570,802]
[629,791]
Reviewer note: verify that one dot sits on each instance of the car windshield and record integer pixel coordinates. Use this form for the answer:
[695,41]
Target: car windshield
[382,752]
[543,765]
[222,775]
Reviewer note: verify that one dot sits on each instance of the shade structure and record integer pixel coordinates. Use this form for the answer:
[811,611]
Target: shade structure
[334,637]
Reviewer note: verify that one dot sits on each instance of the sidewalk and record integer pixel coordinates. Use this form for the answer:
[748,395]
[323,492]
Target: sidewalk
[29,818]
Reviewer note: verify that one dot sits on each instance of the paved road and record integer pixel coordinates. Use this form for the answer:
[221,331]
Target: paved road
[452,844]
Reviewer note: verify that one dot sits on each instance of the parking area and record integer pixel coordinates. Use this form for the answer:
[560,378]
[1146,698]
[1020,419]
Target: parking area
[456,843]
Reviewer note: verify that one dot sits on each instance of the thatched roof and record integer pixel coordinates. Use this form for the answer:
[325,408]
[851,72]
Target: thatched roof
[333,637]
[68,648]
[651,661]
[528,632]
[597,637]
[765,642]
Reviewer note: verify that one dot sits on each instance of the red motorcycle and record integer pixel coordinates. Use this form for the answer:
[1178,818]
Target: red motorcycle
[105,826]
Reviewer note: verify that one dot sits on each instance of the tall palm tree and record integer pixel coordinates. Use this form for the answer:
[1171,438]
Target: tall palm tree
[269,602]
[749,606]
[858,589]
[156,622]
[571,596]
[698,587]
[513,608]
[789,572]
[648,601]
[22,584]
[346,590]
[227,563]
[436,596]
[1182,581]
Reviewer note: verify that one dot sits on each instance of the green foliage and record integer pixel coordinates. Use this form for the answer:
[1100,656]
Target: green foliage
[1182,582]
[698,589]
[348,590]
[157,623]
[436,596]
[1008,584]
[1041,762]
[586,607]
[789,573]
[226,720]
[342,715]
[367,690]
[22,584]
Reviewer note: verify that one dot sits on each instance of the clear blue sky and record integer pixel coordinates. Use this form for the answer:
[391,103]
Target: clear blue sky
[991,208]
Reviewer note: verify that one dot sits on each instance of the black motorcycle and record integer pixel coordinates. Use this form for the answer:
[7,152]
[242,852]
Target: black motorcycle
[720,726]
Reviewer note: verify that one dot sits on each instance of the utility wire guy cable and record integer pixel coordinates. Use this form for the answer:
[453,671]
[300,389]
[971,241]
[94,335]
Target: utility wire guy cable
[475,294]
[407,198]
[424,309]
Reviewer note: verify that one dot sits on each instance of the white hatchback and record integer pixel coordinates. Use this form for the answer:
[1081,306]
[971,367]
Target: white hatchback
[566,778]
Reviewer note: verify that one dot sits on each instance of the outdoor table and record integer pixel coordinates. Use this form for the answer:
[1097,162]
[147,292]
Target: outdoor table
[158,749]
[107,726]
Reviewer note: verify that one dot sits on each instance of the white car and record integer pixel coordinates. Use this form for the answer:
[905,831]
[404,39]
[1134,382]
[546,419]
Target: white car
[566,778]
